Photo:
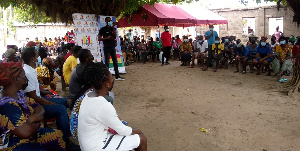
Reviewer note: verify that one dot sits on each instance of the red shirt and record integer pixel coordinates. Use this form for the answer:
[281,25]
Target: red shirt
[295,50]
[166,39]
[67,55]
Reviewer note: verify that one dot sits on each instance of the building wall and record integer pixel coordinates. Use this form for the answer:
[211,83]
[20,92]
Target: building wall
[261,15]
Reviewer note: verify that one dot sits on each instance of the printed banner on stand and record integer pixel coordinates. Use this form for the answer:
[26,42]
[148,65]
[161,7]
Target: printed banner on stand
[86,33]
[121,67]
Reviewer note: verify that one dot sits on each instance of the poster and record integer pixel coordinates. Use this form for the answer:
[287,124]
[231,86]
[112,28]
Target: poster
[86,33]
[121,67]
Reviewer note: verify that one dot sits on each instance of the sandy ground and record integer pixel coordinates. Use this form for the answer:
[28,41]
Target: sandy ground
[242,112]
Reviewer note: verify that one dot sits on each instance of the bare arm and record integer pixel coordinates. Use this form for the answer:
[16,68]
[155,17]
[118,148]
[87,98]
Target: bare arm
[39,100]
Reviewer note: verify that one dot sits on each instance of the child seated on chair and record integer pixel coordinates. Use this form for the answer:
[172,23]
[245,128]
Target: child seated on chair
[218,51]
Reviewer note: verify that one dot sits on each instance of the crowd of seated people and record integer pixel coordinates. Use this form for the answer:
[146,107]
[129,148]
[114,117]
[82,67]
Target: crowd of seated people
[29,100]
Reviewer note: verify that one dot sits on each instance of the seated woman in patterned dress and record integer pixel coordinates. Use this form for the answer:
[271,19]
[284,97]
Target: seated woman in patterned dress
[20,120]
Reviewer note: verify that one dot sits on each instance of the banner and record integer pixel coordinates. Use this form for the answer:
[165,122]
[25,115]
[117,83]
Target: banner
[121,67]
[86,33]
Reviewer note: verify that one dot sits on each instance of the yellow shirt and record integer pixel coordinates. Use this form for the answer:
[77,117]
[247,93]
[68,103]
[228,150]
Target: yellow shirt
[283,53]
[218,49]
[50,43]
[70,63]
[186,47]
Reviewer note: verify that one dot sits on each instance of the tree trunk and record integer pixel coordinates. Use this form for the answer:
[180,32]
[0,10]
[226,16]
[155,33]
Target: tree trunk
[295,82]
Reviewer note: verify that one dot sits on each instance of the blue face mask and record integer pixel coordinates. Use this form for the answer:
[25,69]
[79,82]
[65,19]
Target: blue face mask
[185,40]
[263,44]
[200,41]
[226,40]
[39,61]
[282,42]
[167,29]
[217,42]
[211,28]
[56,69]
[110,23]
[36,48]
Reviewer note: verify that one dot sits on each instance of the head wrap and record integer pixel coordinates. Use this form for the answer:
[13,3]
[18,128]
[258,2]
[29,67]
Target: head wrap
[9,71]
[263,38]
[9,52]
[48,62]
[292,39]
[30,44]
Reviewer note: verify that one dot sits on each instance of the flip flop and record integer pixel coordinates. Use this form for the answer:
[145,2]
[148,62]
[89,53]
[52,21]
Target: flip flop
[283,80]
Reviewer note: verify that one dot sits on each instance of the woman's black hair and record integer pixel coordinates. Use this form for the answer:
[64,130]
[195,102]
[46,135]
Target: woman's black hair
[83,54]
[43,53]
[27,54]
[76,49]
[95,74]
[282,38]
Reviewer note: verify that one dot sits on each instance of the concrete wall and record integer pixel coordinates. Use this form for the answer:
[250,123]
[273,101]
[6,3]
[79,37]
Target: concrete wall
[261,15]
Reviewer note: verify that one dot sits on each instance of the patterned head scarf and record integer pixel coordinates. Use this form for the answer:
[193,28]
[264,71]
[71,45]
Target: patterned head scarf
[10,52]
[9,71]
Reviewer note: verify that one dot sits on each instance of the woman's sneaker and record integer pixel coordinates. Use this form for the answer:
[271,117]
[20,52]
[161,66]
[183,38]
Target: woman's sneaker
[120,78]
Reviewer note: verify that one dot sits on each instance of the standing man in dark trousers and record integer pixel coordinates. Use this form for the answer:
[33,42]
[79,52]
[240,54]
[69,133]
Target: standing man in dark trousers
[210,36]
[166,41]
[107,34]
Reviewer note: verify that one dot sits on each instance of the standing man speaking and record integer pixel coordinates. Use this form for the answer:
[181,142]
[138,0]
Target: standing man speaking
[108,34]
[166,41]
[210,37]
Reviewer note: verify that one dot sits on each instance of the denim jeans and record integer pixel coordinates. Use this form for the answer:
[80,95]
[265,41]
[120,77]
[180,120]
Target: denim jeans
[59,112]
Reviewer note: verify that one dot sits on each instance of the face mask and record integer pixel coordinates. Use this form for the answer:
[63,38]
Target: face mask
[290,43]
[167,29]
[263,44]
[138,41]
[211,28]
[173,40]
[39,60]
[200,41]
[36,48]
[217,42]
[282,42]
[56,69]
[185,40]
[110,23]
[226,40]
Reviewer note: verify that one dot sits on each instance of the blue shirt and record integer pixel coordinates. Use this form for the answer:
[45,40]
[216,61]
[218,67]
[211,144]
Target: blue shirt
[244,53]
[211,40]
[252,51]
[264,51]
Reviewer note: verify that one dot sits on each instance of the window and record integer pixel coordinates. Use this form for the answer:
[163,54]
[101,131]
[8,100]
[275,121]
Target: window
[249,26]
[275,22]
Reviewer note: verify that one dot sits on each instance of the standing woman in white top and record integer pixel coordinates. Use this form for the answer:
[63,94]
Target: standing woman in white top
[96,115]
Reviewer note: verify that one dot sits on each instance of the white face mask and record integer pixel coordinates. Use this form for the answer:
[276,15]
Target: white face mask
[211,28]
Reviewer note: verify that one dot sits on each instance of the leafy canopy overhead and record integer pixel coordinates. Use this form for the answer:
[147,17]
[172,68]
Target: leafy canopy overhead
[62,10]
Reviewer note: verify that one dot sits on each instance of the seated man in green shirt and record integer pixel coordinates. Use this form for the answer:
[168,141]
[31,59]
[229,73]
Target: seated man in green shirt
[157,46]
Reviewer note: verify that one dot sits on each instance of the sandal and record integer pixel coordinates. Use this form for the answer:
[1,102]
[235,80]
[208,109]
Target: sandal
[244,72]
[236,71]
[204,69]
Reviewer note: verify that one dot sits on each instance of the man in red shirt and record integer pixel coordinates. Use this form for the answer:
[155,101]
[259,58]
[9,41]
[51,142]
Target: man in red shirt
[166,41]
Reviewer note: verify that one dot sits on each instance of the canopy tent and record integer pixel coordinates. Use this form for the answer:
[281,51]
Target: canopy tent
[166,14]
[203,15]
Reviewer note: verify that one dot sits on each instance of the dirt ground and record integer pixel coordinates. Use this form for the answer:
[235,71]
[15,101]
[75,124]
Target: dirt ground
[241,112]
